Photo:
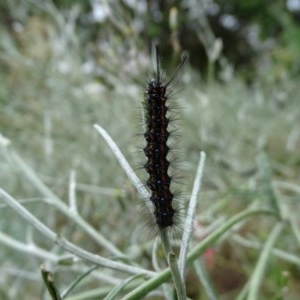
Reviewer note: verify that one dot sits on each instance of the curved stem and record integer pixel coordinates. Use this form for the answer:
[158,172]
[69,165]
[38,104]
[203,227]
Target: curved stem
[156,281]
[68,246]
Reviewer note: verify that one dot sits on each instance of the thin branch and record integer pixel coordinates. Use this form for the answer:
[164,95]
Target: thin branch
[190,216]
[125,166]
[60,205]
[68,246]
[50,284]
[28,248]
[72,192]
[77,281]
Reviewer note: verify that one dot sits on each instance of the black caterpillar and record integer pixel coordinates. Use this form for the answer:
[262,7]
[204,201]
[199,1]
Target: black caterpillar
[157,149]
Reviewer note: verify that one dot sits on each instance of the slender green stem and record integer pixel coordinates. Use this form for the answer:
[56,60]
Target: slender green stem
[284,255]
[50,284]
[204,244]
[76,282]
[156,281]
[118,289]
[266,175]
[257,275]
[205,280]
[171,258]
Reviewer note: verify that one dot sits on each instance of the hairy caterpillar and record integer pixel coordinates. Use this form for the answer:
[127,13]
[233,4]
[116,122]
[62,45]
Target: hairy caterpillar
[157,135]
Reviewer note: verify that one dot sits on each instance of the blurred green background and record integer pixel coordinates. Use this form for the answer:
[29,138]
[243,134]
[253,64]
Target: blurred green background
[66,65]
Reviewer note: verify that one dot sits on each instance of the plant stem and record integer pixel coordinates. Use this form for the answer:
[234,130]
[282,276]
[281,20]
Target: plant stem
[60,205]
[257,275]
[177,279]
[68,246]
[156,281]
[188,226]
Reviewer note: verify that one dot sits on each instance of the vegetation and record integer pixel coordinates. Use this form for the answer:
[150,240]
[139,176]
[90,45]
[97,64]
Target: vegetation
[66,66]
